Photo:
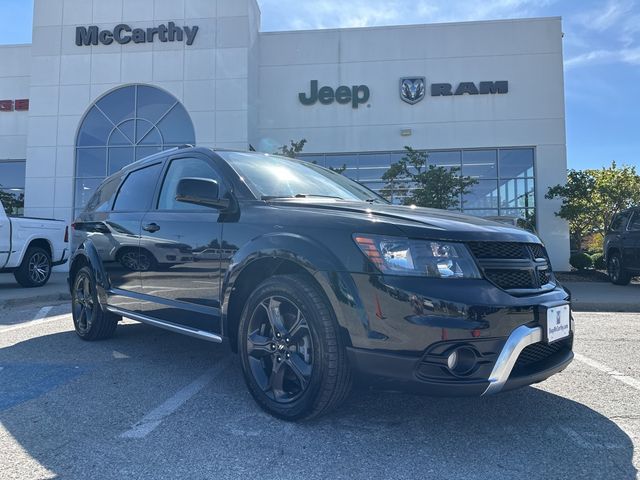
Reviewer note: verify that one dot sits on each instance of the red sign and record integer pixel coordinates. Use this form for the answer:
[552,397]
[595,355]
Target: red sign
[20,105]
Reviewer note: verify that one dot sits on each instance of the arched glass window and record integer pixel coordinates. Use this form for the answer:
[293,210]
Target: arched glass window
[125,125]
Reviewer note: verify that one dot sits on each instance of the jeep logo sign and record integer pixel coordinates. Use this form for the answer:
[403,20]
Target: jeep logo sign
[355,95]
[124,34]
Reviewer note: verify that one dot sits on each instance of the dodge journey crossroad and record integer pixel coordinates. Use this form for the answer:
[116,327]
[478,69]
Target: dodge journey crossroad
[316,281]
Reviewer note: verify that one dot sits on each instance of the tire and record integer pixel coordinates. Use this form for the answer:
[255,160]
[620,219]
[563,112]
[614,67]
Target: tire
[312,376]
[90,321]
[35,269]
[617,274]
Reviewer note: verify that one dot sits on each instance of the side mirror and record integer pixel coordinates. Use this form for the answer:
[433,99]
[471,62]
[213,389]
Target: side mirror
[201,191]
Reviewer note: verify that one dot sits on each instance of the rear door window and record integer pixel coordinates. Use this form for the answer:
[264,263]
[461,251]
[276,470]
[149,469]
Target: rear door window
[136,193]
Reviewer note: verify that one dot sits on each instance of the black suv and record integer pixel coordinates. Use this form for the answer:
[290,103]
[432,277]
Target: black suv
[312,278]
[622,246]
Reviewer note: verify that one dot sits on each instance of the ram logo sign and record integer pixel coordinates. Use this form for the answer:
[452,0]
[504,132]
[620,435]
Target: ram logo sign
[412,89]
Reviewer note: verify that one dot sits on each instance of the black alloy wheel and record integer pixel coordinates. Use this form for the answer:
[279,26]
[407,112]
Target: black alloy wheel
[280,349]
[90,321]
[293,358]
[83,303]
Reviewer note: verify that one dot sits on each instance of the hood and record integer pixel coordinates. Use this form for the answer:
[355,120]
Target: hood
[418,221]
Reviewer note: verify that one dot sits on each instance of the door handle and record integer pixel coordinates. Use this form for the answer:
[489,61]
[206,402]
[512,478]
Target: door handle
[152,227]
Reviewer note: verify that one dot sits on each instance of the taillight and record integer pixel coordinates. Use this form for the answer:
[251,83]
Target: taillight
[66,234]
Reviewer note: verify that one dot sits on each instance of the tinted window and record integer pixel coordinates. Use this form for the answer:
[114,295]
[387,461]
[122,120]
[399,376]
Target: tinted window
[185,168]
[136,192]
[634,224]
[618,223]
[103,198]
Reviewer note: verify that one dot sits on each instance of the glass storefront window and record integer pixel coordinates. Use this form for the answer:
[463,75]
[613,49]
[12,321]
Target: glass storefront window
[516,162]
[483,194]
[506,185]
[126,125]
[12,175]
[448,159]
[480,163]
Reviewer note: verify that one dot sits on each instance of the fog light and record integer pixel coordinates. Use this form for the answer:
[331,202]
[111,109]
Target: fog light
[462,361]
[452,361]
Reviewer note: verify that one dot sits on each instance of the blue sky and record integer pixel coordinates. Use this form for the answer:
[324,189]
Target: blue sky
[601,52]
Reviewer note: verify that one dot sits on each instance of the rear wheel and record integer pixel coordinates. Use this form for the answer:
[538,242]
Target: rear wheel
[90,321]
[293,361]
[35,269]
[617,273]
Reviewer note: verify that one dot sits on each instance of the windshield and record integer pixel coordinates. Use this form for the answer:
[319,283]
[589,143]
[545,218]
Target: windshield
[271,176]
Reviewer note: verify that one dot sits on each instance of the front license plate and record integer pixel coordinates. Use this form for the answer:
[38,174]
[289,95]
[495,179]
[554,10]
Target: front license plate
[558,322]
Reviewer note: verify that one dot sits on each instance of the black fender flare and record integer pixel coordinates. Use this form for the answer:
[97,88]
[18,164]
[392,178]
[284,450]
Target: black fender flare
[316,259]
[87,251]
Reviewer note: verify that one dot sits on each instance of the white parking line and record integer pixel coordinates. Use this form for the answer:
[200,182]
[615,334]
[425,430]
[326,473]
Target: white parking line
[155,417]
[42,313]
[33,323]
[632,382]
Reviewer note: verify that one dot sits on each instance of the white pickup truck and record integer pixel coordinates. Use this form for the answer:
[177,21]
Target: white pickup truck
[30,247]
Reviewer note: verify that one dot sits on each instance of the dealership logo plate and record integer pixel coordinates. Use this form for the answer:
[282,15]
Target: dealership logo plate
[412,89]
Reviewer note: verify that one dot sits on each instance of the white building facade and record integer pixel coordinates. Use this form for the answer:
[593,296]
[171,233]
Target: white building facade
[106,82]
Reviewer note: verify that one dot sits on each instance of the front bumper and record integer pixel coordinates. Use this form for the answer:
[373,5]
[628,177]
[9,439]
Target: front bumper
[407,328]
[393,371]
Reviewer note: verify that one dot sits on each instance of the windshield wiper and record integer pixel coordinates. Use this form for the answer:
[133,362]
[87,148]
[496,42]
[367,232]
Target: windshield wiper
[298,195]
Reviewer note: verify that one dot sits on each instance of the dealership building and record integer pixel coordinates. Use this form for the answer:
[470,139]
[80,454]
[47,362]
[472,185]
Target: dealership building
[106,82]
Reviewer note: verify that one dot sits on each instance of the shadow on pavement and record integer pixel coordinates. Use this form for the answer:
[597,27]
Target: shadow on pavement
[66,402]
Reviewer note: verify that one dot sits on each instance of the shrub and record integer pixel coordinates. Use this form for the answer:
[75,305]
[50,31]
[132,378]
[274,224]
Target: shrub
[598,261]
[581,261]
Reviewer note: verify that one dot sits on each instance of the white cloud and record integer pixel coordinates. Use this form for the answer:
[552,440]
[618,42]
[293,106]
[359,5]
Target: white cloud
[606,16]
[630,56]
[300,14]
[597,31]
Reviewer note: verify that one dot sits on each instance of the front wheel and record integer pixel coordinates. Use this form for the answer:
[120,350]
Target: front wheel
[90,321]
[293,361]
[35,269]
[617,274]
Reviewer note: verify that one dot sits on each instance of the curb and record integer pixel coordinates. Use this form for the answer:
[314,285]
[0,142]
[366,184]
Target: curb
[604,307]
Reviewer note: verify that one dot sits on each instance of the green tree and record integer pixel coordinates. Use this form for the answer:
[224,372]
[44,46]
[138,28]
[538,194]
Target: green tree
[425,185]
[591,198]
[295,148]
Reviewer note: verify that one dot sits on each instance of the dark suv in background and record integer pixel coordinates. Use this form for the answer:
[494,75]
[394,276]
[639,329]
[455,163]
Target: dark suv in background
[313,278]
[622,246]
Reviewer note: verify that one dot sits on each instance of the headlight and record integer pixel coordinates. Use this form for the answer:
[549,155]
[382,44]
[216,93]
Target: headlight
[403,256]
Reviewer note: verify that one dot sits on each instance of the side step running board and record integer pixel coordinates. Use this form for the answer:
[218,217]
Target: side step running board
[192,332]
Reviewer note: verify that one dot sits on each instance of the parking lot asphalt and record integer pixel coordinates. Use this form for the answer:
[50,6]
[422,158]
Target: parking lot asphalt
[153,404]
